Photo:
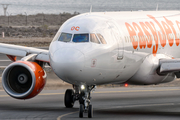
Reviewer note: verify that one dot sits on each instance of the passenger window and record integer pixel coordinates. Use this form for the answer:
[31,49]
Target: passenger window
[93,38]
[65,37]
[101,38]
[129,39]
[81,38]
[172,36]
[125,39]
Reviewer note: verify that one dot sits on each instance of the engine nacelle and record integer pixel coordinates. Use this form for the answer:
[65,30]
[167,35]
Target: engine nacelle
[147,73]
[23,79]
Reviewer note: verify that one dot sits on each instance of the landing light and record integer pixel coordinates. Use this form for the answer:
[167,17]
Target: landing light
[82,87]
[126,85]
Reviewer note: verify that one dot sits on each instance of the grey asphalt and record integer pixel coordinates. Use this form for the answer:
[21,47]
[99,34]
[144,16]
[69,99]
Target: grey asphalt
[138,103]
[4,61]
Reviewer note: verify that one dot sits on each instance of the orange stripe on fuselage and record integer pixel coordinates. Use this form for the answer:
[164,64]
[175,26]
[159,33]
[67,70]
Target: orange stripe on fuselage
[166,35]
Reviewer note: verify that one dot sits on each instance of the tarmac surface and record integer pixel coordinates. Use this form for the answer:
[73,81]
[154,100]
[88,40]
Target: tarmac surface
[152,103]
[4,61]
[131,103]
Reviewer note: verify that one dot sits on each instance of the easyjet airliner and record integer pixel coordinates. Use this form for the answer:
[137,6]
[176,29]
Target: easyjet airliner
[99,48]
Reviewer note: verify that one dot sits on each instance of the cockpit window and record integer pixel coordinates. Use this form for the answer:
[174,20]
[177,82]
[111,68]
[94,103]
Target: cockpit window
[81,38]
[65,37]
[93,38]
[56,36]
[101,38]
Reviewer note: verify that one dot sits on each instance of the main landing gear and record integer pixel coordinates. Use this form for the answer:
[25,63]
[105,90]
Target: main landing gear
[83,94]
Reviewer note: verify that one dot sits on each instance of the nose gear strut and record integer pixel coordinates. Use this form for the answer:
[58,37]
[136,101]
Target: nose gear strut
[83,95]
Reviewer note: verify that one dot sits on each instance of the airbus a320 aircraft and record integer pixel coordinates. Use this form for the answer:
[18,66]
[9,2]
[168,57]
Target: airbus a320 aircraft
[99,48]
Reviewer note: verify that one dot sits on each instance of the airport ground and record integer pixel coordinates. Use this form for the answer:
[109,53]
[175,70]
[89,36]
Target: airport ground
[114,102]
[109,101]
[160,103]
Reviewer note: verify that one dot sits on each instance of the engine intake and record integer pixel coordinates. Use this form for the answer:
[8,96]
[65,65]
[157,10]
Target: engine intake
[23,79]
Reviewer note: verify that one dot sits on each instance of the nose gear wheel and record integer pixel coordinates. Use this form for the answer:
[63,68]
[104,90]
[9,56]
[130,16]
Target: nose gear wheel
[83,96]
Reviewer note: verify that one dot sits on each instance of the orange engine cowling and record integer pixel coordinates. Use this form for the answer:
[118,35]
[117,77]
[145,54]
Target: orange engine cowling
[23,79]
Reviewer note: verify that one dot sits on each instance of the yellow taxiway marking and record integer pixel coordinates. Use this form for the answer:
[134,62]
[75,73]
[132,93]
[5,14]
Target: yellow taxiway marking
[39,94]
[51,93]
[137,91]
[144,105]
[4,95]
[116,91]
[104,92]
[128,106]
[59,118]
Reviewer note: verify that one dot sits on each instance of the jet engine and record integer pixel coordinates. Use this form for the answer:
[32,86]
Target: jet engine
[23,79]
[147,73]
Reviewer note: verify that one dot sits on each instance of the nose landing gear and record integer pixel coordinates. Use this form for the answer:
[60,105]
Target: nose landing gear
[89,111]
[84,100]
[82,93]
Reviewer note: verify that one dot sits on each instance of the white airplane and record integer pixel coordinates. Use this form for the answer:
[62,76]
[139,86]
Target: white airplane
[99,48]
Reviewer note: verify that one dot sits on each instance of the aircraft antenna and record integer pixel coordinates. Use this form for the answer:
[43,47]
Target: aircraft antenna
[91,9]
[157,7]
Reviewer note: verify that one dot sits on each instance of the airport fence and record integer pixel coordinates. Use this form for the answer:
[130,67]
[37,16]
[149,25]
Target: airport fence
[40,19]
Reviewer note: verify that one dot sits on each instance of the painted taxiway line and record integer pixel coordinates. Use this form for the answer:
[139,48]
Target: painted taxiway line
[143,105]
[117,91]
[127,106]
[41,94]
[104,92]
[137,91]
[5,60]
[3,66]
[59,118]
[51,93]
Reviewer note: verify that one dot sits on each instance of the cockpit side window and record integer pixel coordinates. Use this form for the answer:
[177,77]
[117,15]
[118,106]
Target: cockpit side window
[65,37]
[81,38]
[101,38]
[94,39]
[56,36]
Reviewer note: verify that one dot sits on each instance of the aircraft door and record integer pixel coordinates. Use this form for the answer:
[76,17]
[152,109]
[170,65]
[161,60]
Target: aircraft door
[115,32]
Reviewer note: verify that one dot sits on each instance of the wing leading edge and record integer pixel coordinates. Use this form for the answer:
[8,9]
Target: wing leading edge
[21,51]
[169,66]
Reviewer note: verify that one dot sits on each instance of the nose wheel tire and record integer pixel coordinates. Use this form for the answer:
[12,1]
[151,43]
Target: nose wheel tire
[90,111]
[81,101]
[68,98]
[81,110]
[82,94]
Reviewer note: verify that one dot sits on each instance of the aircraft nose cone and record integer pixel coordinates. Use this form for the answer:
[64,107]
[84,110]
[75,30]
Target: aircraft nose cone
[68,63]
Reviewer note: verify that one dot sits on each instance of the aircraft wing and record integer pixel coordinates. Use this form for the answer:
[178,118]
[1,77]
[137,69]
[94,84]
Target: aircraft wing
[169,65]
[21,51]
